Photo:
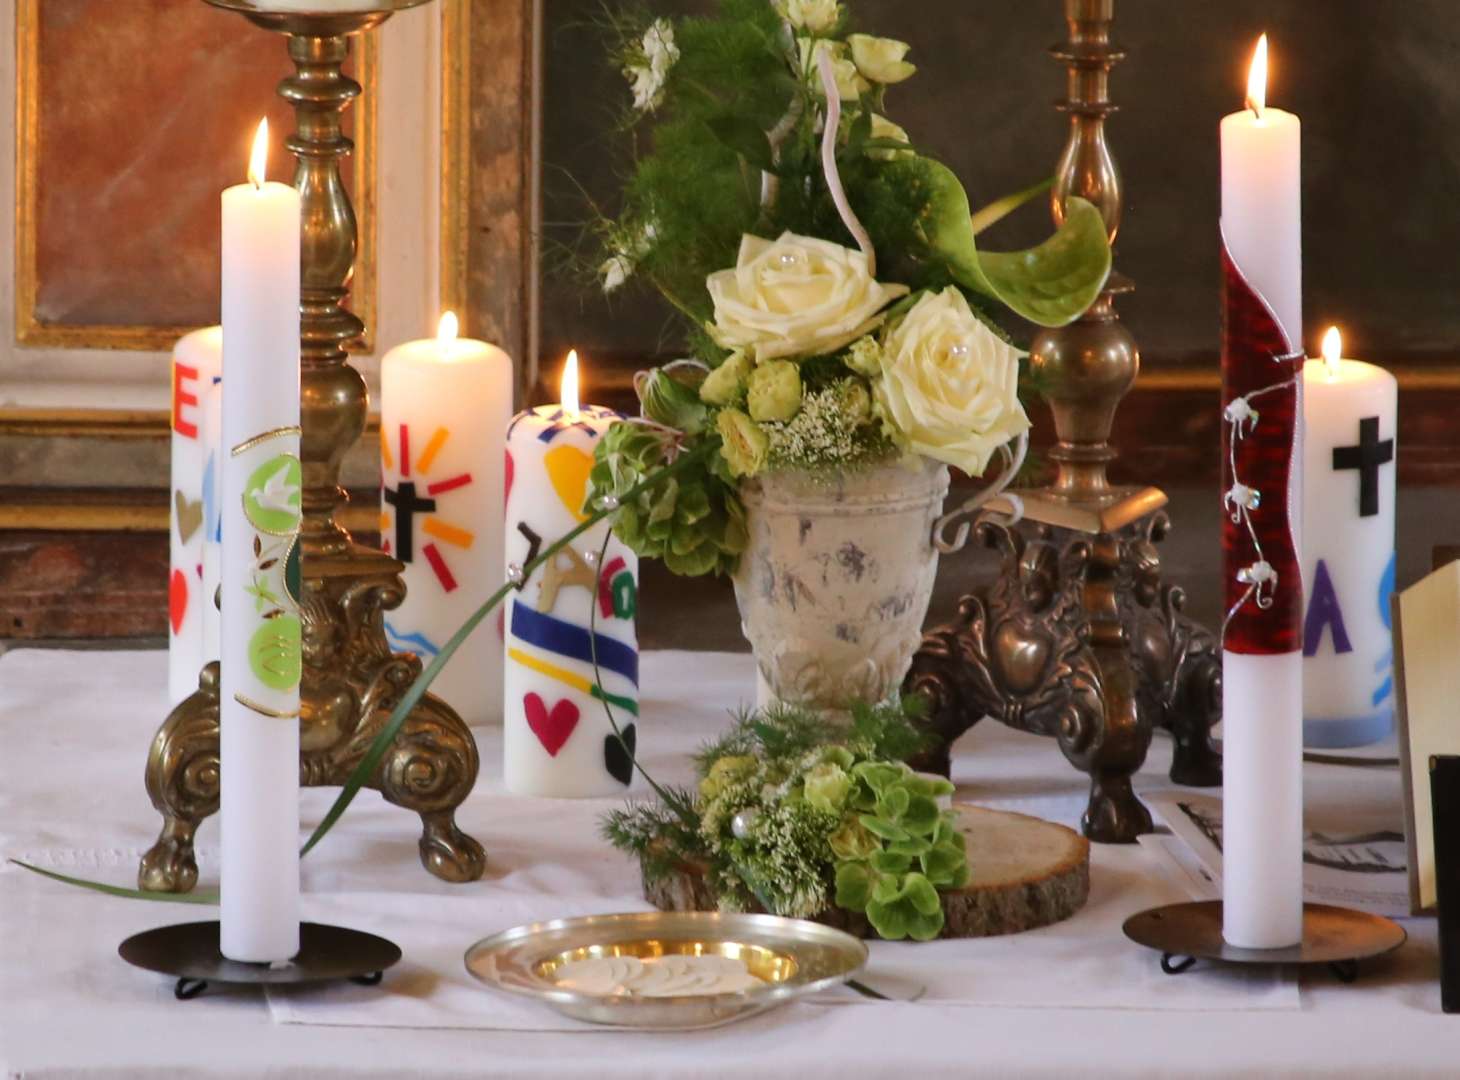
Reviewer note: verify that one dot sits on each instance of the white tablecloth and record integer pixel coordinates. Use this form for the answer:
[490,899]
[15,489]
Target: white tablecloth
[74,728]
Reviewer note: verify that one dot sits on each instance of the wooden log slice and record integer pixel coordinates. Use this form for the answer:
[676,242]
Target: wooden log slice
[1026,873]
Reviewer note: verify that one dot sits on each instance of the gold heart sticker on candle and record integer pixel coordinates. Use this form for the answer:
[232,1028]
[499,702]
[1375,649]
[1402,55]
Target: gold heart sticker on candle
[189,515]
[568,469]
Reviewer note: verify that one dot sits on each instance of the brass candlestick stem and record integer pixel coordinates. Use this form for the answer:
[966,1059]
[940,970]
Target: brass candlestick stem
[1078,638]
[352,680]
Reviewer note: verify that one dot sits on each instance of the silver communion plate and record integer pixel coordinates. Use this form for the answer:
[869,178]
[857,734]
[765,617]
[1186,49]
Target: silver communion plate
[792,958]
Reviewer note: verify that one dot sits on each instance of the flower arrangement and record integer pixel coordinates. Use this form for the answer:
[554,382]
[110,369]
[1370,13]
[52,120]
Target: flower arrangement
[839,310]
[796,817]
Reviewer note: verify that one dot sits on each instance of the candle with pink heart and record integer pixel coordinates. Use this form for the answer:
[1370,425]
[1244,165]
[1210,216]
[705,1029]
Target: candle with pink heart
[570,613]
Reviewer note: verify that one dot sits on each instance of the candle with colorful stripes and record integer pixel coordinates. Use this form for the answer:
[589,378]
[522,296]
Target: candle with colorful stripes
[557,737]
[444,407]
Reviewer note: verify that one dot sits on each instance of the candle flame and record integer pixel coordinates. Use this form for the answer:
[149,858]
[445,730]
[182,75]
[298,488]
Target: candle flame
[1257,78]
[569,393]
[447,328]
[1332,350]
[258,161]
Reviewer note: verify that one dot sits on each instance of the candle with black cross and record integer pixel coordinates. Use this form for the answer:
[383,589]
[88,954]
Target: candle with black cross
[444,407]
[1350,410]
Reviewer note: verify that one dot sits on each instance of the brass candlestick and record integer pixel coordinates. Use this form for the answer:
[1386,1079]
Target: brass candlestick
[1078,638]
[352,680]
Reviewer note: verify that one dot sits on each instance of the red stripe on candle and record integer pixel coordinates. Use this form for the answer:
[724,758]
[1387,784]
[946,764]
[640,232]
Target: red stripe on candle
[438,564]
[448,485]
[405,450]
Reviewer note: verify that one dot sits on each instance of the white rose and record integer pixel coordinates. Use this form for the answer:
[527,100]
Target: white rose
[950,385]
[817,16]
[881,59]
[796,296]
[850,86]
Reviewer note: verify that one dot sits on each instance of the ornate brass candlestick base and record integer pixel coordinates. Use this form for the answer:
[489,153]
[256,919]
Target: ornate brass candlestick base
[1079,639]
[352,680]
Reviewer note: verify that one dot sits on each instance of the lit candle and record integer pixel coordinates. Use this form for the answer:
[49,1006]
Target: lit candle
[1262,672]
[196,361]
[445,404]
[260,628]
[556,735]
[1350,414]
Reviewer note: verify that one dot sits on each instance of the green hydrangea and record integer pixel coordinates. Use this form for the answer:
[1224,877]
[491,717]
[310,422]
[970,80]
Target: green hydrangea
[694,522]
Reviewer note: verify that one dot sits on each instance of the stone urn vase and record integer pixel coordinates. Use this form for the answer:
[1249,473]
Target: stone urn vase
[836,581]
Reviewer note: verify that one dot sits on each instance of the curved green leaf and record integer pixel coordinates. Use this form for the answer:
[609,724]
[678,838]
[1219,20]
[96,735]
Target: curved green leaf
[1051,285]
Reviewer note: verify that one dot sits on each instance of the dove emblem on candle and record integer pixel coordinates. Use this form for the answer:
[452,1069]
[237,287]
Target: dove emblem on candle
[273,496]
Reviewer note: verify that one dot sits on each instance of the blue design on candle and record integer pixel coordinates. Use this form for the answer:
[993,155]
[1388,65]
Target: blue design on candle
[558,422]
[566,639]
[1323,610]
[417,642]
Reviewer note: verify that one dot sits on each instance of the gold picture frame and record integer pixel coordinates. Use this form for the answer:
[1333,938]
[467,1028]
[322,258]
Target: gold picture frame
[31,331]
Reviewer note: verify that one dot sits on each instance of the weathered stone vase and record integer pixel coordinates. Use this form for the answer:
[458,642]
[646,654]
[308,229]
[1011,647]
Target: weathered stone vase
[837,579]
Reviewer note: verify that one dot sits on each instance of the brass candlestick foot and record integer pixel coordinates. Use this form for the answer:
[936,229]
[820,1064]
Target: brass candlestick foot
[1079,639]
[352,681]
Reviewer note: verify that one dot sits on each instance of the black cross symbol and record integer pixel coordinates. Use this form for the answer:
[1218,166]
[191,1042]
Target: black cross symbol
[407,506]
[1367,457]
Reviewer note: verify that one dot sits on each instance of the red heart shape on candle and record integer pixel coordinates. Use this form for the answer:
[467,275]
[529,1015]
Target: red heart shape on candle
[551,728]
[177,600]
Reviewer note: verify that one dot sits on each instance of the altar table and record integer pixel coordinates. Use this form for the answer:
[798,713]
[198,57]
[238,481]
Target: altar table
[74,731]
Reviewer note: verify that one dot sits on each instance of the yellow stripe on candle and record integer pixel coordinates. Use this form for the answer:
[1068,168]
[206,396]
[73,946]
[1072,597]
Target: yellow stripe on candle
[450,534]
[428,455]
[577,682]
[385,454]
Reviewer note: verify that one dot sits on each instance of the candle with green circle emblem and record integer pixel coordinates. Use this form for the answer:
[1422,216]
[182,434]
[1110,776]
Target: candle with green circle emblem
[260,631]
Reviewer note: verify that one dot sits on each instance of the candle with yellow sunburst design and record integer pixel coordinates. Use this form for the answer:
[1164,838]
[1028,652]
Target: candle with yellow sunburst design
[444,407]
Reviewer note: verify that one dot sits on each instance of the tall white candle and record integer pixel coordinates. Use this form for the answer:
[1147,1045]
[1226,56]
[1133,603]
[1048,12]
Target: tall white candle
[445,404]
[1262,693]
[260,631]
[1350,410]
[556,736]
[196,360]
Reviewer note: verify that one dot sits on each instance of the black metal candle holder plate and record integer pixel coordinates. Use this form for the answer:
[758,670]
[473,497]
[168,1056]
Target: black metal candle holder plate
[190,952]
[1335,936]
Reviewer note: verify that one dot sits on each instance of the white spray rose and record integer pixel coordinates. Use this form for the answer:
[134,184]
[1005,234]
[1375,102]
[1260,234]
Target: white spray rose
[881,59]
[815,16]
[796,296]
[950,385]
[850,86]
[648,78]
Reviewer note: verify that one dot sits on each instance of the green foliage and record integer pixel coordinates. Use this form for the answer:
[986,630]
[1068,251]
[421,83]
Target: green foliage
[795,813]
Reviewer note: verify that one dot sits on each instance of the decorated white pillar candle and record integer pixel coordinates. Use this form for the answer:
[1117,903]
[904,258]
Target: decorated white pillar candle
[211,430]
[196,360]
[1350,414]
[444,408]
[262,491]
[1262,659]
[556,735]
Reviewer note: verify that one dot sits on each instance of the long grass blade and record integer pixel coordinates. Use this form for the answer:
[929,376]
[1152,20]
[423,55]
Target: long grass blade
[117,890]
